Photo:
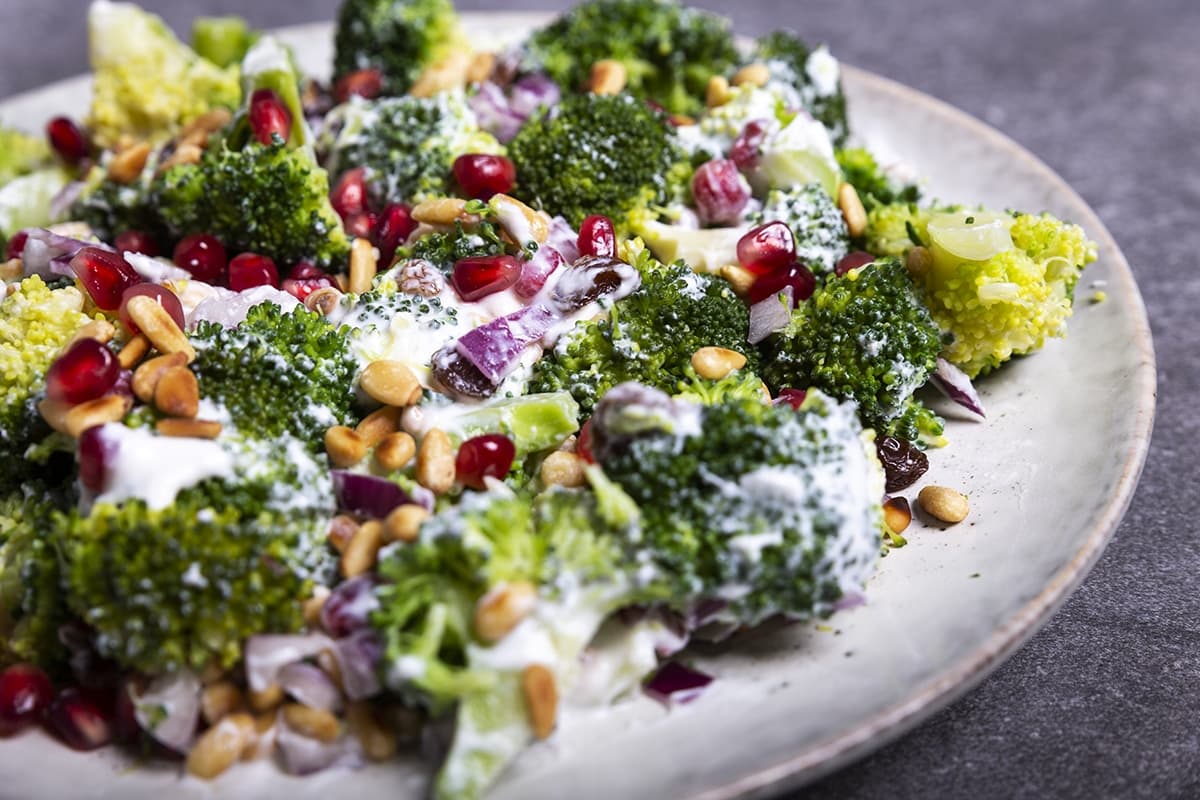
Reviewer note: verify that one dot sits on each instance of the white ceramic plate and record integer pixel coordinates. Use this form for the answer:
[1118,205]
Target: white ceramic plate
[1049,476]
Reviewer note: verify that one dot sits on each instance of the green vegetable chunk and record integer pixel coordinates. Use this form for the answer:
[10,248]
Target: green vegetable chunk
[400,38]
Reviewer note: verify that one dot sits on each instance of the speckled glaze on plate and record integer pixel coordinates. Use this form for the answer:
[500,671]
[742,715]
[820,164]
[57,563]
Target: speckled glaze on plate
[1049,476]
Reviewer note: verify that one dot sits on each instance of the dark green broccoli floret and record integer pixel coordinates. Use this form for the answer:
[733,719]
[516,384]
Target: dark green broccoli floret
[787,59]
[864,337]
[597,154]
[110,208]
[31,606]
[648,337]
[669,51]
[446,248]
[816,222]
[278,372]
[400,38]
[874,186]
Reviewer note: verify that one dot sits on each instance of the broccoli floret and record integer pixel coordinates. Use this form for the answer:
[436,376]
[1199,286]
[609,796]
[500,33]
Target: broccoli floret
[278,372]
[22,153]
[148,84]
[400,38]
[222,40]
[669,51]
[816,222]
[863,337]
[31,607]
[444,249]
[737,385]
[110,208]
[874,186]
[805,79]
[894,229]
[405,145]
[599,154]
[648,337]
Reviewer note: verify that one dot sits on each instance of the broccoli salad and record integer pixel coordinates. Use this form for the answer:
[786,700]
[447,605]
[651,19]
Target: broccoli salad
[345,419]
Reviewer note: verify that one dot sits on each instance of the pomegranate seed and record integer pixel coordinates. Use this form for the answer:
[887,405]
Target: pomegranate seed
[720,192]
[136,242]
[597,237]
[126,728]
[123,387]
[349,195]
[793,397]
[84,372]
[68,140]
[305,270]
[852,261]
[794,275]
[160,294]
[24,692]
[349,606]
[360,225]
[365,83]
[105,275]
[16,245]
[392,230]
[75,717]
[583,443]
[203,255]
[480,276]
[269,117]
[96,452]
[250,270]
[304,279]
[482,176]
[768,247]
[747,147]
[488,456]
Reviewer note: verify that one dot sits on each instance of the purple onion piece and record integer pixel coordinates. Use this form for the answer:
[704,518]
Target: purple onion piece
[954,383]
[494,113]
[348,608]
[309,685]
[367,495]
[769,315]
[676,683]
[60,204]
[537,270]
[169,708]
[850,600]
[302,755]
[47,254]
[496,347]
[358,656]
[267,654]
[531,93]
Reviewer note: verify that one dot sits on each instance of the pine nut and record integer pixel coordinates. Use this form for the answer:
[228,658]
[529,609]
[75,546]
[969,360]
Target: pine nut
[403,524]
[481,66]
[314,605]
[918,261]
[341,530]
[681,120]
[54,412]
[189,428]
[219,747]
[133,351]
[395,451]
[852,210]
[266,700]
[125,167]
[441,211]
[717,92]
[364,263]
[522,224]
[563,469]
[177,394]
[541,698]
[196,132]
[219,700]
[740,279]
[391,383]
[185,153]
[344,446]
[11,270]
[154,321]
[378,424]
[449,73]
[378,743]
[503,608]
[109,408]
[608,77]
[944,504]
[212,673]
[99,329]
[753,74]
[323,301]
[435,462]
[362,551]
[896,514]
[146,377]
[328,662]
[311,722]
[714,363]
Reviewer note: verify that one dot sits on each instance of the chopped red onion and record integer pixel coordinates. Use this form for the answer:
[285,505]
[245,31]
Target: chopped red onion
[676,683]
[303,755]
[954,383]
[850,600]
[358,657]
[267,654]
[309,685]
[48,255]
[495,348]
[770,315]
[494,113]
[532,93]
[169,708]
[60,204]
[367,495]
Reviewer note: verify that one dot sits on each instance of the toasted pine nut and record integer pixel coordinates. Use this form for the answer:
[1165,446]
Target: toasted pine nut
[395,451]
[918,261]
[185,153]
[196,132]
[328,662]
[714,363]
[219,700]
[323,301]
[852,210]
[896,514]
[753,74]
[99,329]
[154,321]
[212,673]
[127,165]
[541,698]
[55,413]
[344,446]
[435,462]
[220,746]
[266,700]
[11,270]
[364,263]
[403,524]
[563,469]
[717,92]
[189,428]
[441,211]
[313,606]
[378,743]
[146,377]
[109,408]
[177,393]
[481,66]
[341,530]
[362,550]
[449,73]
[503,608]
[608,77]
[378,424]
[522,224]
[682,120]
[391,383]
[944,504]
[740,279]
[133,351]
[311,722]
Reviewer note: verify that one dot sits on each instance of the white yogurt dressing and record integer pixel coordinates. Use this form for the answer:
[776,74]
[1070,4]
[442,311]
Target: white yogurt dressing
[155,468]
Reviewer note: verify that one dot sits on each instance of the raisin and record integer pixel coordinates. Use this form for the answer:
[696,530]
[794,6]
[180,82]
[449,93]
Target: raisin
[903,462]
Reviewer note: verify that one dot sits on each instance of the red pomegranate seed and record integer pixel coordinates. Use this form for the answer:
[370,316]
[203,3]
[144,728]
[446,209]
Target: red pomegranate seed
[305,270]
[125,726]
[24,692]
[75,717]
[583,443]
[747,147]
[720,192]
[488,456]
[136,242]
[768,247]
[360,225]
[84,372]
[160,294]
[794,275]
[204,256]
[365,83]
[105,275]
[852,261]
[96,453]
[68,140]
[793,397]
[303,288]
[482,176]
[597,237]
[269,117]
[16,245]
[250,270]
[392,230]
[349,195]
[123,387]
[480,276]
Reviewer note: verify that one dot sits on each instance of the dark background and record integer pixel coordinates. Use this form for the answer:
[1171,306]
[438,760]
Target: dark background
[1105,701]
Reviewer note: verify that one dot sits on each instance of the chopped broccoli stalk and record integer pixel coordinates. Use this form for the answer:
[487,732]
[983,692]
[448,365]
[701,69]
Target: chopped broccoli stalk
[874,185]
[805,79]
[816,223]
[31,607]
[400,38]
[222,40]
[669,51]
[534,422]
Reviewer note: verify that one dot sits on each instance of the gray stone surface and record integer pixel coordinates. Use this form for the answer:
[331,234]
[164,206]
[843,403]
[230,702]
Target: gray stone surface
[1105,701]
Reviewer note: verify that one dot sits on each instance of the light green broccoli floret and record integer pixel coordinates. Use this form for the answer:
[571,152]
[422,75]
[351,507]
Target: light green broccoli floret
[21,153]
[31,606]
[817,224]
[895,228]
[400,38]
[222,40]
[804,78]
[534,422]
[874,185]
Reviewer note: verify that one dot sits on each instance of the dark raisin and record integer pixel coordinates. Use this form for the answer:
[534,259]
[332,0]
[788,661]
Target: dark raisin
[460,376]
[903,462]
[593,277]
